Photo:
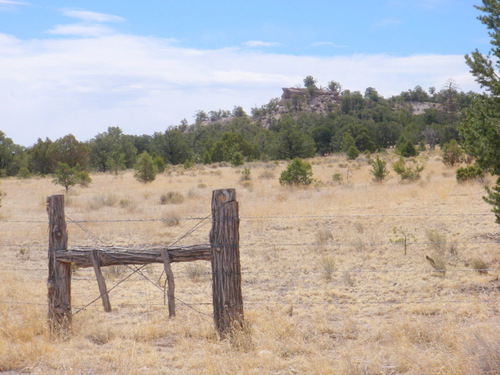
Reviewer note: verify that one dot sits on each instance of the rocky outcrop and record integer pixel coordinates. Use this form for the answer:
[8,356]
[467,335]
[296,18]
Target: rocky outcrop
[295,100]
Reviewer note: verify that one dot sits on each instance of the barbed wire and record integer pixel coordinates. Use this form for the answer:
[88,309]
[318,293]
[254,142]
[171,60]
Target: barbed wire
[307,272]
[260,217]
[339,301]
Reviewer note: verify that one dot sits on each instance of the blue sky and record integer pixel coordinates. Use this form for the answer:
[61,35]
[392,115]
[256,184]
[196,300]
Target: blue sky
[81,66]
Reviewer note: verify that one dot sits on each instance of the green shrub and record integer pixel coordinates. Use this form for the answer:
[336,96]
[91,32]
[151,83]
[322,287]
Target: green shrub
[452,153]
[159,163]
[405,148]
[337,178]
[145,167]
[379,170]
[24,172]
[69,176]
[246,174]
[352,153]
[472,172]
[237,159]
[407,172]
[298,172]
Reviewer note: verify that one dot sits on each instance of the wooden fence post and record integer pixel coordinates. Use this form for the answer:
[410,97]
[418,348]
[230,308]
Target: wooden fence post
[226,269]
[171,284]
[59,280]
[101,283]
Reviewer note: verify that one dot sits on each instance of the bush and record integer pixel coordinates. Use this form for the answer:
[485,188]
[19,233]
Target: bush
[24,172]
[410,173]
[145,167]
[298,172]
[172,197]
[406,148]
[246,174]
[480,266]
[69,176]
[352,153]
[472,172]
[337,178]
[379,170]
[160,164]
[237,159]
[452,153]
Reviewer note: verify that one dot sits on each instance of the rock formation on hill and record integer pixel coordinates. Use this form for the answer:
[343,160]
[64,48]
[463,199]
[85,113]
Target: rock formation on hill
[295,100]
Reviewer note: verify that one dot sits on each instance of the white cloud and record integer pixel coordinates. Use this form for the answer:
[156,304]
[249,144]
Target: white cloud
[86,15]
[258,43]
[58,86]
[80,30]
[13,2]
[328,44]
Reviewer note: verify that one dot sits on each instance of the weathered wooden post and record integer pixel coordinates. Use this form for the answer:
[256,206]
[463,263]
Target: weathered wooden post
[101,283]
[171,284]
[59,280]
[226,269]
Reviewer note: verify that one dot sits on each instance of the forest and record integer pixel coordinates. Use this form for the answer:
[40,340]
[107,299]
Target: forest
[363,122]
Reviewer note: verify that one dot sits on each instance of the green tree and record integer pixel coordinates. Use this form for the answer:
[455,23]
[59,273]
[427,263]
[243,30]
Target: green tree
[12,156]
[452,153]
[39,161]
[379,169]
[298,172]
[68,176]
[112,151]
[145,167]
[352,153]
[229,145]
[406,148]
[309,81]
[292,142]
[70,151]
[480,131]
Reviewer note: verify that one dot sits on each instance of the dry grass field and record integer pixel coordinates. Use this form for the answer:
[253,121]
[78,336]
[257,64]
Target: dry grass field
[327,287]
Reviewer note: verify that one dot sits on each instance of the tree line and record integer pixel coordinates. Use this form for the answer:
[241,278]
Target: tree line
[364,122]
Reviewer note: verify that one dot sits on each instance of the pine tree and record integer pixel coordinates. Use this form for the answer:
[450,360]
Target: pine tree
[480,131]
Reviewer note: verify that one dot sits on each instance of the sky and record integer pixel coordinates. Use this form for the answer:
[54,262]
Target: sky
[80,66]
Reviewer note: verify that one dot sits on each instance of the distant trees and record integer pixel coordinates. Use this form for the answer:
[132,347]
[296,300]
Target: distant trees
[11,156]
[281,129]
[230,146]
[70,151]
[112,151]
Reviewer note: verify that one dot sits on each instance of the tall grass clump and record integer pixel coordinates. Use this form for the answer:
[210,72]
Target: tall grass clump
[327,264]
[172,197]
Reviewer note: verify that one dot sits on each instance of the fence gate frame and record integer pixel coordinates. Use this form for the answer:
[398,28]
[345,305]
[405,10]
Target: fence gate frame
[222,251]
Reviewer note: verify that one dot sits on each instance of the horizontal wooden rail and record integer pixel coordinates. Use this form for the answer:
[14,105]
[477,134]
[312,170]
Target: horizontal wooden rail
[109,256]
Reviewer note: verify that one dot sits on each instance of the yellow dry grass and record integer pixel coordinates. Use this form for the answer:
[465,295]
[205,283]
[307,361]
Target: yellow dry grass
[325,290]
